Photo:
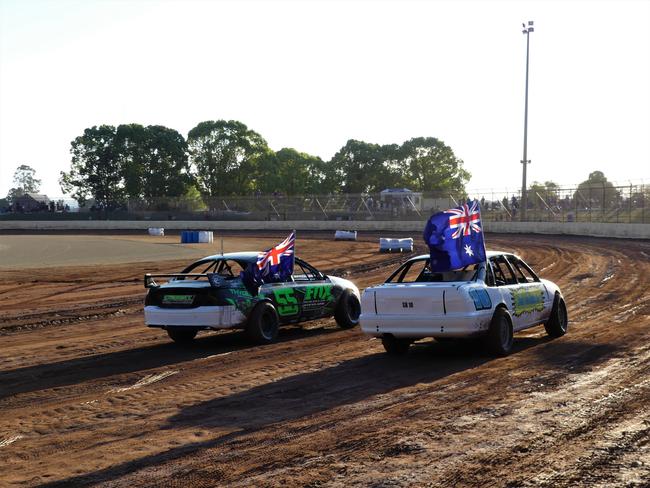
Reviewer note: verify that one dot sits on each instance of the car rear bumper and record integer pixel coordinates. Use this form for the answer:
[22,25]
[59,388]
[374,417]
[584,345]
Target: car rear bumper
[217,317]
[416,326]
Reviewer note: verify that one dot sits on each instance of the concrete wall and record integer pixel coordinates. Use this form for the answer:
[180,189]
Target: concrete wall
[630,231]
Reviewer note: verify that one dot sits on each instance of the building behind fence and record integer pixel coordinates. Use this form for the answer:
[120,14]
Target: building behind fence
[571,204]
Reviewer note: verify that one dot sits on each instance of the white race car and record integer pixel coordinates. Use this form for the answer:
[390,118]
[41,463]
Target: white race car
[493,299]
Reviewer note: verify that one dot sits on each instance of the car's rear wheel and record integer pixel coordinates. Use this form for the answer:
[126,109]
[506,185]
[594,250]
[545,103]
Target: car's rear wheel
[500,334]
[263,324]
[395,346]
[558,322]
[182,335]
[348,310]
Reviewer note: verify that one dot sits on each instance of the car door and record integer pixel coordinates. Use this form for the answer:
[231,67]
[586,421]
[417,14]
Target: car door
[512,292]
[535,302]
[313,290]
[286,298]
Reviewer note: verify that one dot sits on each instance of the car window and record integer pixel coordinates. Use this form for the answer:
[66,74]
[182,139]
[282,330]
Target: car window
[415,270]
[226,267]
[489,275]
[229,268]
[523,273]
[503,274]
[403,270]
[198,266]
[420,272]
[303,272]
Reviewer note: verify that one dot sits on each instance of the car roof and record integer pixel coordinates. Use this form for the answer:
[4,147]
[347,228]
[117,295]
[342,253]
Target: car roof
[489,254]
[247,256]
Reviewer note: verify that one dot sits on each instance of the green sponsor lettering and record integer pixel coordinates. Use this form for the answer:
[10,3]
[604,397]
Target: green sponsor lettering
[287,303]
[180,299]
[319,292]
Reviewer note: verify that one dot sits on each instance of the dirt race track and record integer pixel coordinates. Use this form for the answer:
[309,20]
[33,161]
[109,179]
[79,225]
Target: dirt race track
[89,395]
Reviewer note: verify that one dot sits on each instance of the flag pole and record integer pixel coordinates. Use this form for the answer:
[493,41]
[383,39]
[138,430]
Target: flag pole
[295,240]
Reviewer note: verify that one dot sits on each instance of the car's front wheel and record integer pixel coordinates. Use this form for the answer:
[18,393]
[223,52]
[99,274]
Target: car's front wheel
[395,346]
[263,324]
[500,334]
[348,310]
[558,322]
[182,335]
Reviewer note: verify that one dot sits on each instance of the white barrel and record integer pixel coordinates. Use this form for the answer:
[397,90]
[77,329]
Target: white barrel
[206,236]
[345,235]
[388,244]
[156,231]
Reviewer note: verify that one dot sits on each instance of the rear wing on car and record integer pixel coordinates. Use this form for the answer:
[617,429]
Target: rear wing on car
[150,282]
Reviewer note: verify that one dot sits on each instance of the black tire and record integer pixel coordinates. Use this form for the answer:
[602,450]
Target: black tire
[558,322]
[182,335]
[445,340]
[347,310]
[395,346]
[500,335]
[263,324]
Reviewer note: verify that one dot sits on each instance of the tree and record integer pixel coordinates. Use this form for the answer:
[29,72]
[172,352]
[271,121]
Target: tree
[168,171]
[130,149]
[224,155]
[597,191]
[95,170]
[290,172]
[131,161]
[152,160]
[360,168]
[25,181]
[546,191]
[192,199]
[432,166]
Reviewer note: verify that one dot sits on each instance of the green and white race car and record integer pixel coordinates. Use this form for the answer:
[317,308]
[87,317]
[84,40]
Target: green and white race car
[209,295]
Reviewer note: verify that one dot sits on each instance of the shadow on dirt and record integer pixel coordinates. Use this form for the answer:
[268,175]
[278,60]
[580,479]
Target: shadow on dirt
[345,383]
[65,373]
[306,394]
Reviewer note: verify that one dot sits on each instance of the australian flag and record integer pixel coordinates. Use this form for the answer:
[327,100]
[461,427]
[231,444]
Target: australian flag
[455,237]
[272,266]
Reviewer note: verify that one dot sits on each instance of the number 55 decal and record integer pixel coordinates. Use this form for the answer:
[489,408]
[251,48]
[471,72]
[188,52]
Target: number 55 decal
[287,303]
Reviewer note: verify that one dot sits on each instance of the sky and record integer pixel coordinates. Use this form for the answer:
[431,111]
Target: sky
[313,74]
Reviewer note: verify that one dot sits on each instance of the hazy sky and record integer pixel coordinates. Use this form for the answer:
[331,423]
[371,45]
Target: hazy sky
[311,75]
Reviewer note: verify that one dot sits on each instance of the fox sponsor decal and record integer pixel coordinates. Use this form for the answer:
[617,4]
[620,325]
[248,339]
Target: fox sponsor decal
[317,297]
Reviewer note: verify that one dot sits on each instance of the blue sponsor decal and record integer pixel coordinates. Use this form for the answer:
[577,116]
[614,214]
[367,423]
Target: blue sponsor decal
[481,299]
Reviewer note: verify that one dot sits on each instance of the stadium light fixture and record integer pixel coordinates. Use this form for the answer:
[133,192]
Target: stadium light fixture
[527,29]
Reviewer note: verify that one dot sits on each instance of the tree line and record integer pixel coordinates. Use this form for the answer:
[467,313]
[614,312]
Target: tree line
[224,158]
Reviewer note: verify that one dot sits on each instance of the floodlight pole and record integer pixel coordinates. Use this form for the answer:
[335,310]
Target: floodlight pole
[525,161]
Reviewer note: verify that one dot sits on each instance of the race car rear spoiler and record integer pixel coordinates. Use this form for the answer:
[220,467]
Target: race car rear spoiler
[149,281]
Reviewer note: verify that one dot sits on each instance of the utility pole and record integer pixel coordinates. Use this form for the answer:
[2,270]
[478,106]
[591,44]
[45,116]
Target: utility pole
[525,161]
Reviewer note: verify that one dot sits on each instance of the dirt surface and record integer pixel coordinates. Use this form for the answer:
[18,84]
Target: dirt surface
[29,251]
[89,395]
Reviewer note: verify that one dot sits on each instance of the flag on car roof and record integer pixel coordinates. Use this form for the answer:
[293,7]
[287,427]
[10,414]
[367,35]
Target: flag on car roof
[272,266]
[455,237]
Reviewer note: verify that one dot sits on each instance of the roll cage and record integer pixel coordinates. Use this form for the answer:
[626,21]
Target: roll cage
[498,270]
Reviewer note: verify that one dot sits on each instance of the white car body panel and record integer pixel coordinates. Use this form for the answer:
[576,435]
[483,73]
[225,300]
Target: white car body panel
[347,284]
[446,309]
[214,317]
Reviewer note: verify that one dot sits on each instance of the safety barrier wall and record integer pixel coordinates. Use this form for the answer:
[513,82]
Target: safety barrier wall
[597,229]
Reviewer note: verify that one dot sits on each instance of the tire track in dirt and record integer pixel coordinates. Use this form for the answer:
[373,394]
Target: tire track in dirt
[328,407]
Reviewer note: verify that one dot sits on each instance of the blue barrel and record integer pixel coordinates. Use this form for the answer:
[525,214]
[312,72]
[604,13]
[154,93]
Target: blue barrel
[184,238]
[195,236]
